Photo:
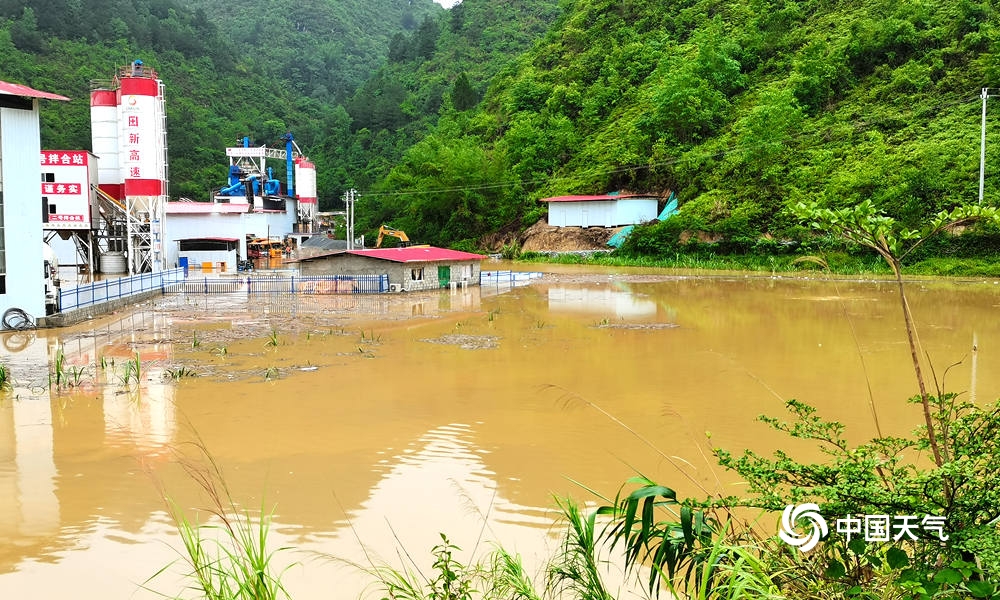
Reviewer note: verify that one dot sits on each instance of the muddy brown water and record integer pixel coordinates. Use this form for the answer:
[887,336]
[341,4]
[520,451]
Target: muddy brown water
[386,420]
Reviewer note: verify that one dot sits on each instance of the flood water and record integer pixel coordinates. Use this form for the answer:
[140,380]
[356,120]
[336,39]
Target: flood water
[386,420]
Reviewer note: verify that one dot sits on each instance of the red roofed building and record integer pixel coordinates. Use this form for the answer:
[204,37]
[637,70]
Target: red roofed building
[409,269]
[603,210]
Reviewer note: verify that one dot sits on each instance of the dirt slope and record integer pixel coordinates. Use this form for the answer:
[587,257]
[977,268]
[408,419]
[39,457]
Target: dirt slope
[540,237]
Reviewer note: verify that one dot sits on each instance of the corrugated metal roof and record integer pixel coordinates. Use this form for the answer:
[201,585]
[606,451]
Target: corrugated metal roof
[596,198]
[16,89]
[402,255]
[416,254]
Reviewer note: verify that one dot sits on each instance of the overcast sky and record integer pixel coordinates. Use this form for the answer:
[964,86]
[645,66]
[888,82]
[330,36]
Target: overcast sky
[447,3]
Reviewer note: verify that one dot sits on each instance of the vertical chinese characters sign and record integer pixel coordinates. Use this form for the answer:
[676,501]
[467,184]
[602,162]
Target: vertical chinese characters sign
[138,155]
[65,189]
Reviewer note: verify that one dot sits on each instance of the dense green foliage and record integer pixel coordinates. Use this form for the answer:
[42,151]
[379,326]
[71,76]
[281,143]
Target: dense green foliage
[263,69]
[320,49]
[744,108]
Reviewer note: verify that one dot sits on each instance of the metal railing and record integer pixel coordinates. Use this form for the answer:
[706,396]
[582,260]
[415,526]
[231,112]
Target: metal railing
[114,289]
[506,279]
[326,284]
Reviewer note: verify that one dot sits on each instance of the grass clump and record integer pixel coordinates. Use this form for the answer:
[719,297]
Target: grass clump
[231,558]
[63,375]
[180,373]
[6,382]
[133,371]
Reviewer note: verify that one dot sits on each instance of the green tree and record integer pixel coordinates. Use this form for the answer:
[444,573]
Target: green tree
[463,95]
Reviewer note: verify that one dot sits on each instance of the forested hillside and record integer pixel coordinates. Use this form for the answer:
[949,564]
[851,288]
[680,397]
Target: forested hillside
[743,107]
[323,49]
[265,68]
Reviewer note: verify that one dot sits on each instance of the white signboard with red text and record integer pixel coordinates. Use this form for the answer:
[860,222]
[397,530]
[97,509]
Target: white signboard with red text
[138,150]
[67,177]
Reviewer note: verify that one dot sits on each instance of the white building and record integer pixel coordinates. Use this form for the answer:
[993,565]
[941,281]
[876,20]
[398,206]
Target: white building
[22,281]
[191,221]
[605,210]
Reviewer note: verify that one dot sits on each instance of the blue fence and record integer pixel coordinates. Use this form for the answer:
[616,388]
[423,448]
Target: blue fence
[113,289]
[329,284]
[501,279]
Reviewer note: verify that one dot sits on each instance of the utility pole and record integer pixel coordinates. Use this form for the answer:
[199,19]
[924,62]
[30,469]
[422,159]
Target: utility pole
[982,146]
[349,197]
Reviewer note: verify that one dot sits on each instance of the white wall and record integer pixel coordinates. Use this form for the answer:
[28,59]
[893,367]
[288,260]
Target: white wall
[632,211]
[22,204]
[222,225]
[598,213]
[197,257]
[602,213]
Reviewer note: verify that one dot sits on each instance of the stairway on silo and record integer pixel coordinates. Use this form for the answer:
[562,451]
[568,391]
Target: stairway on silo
[112,230]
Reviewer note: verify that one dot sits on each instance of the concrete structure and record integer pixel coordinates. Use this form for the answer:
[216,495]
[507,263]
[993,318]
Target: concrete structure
[305,188]
[409,269]
[221,220]
[605,210]
[22,281]
[217,253]
[129,136]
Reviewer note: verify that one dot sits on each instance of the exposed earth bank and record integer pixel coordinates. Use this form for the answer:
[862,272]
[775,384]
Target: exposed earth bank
[542,237]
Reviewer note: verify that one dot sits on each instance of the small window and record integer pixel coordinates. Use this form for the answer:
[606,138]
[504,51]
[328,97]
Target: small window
[48,177]
[417,274]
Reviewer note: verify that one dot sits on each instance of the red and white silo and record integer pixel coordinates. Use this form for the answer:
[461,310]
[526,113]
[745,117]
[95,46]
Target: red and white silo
[128,130]
[305,188]
[104,140]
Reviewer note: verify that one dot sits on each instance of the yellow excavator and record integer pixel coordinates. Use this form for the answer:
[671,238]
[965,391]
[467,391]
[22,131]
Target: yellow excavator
[383,231]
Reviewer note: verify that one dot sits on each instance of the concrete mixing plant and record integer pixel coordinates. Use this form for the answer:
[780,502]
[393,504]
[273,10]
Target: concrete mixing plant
[251,178]
[129,136]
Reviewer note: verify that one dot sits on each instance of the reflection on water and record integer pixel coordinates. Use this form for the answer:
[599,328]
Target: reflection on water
[367,432]
[619,303]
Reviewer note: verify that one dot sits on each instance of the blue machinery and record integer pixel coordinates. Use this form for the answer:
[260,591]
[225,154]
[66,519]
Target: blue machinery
[247,177]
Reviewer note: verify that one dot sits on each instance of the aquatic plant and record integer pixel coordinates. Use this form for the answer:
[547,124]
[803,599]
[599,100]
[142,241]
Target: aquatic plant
[222,350]
[230,560]
[272,340]
[64,375]
[370,337]
[180,373]
[195,342]
[59,375]
[133,370]
[575,570]
[6,383]
[270,373]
